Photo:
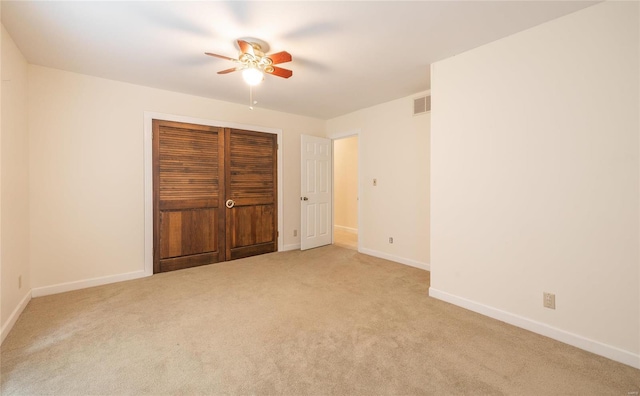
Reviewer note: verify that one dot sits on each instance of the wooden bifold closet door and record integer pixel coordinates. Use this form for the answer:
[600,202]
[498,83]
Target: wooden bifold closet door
[215,194]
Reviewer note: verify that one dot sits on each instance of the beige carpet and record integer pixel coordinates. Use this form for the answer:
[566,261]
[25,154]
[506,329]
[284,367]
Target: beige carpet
[345,239]
[325,321]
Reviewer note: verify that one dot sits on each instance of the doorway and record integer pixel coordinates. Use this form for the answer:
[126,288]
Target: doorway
[345,192]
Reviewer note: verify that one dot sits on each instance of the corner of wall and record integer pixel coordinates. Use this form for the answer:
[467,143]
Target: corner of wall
[14,184]
[13,318]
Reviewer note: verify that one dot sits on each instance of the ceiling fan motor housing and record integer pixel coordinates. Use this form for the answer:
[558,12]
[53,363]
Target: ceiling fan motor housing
[252,56]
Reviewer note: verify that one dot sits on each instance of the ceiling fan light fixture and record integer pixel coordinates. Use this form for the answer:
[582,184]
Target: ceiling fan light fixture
[252,76]
[253,62]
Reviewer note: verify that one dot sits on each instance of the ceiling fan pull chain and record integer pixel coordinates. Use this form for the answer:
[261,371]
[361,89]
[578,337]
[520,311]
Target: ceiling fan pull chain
[251,101]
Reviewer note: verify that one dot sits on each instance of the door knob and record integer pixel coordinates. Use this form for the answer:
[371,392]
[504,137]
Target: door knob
[230,203]
[305,198]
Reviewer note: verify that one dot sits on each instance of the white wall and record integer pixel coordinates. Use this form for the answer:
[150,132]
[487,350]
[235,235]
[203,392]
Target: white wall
[345,183]
[87,180]
[535,179]
[14,185]
[394,149]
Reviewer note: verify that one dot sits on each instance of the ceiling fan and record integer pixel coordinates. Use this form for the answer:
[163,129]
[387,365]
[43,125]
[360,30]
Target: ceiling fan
[254,63]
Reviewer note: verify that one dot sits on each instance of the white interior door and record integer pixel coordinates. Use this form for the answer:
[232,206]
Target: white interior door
[315,197]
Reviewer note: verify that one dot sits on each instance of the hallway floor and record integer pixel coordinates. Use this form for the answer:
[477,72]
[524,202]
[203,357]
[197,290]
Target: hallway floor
[344,238]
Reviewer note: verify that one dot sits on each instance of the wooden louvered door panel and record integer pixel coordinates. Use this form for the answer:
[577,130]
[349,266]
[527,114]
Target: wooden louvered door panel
[251,184]
[189,210]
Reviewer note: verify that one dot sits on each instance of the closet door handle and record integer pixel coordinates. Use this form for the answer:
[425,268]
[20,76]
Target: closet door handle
[230,203]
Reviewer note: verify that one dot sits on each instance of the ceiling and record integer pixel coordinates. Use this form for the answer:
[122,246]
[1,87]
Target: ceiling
[347,55]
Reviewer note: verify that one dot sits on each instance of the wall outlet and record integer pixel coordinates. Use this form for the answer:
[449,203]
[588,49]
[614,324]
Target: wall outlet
[549,300]
[20,282]
[390,239]
[295,232]
[375,182]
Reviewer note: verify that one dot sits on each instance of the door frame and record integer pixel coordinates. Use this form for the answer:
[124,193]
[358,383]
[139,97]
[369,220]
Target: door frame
[334,137]
[148,173]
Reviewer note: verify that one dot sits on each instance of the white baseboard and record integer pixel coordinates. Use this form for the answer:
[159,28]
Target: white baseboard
[83,284]
[599,348]
[397,259]
[347,229]
[293,246]
[14,317]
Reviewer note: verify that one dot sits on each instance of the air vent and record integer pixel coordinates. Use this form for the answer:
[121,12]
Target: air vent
[421,105]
